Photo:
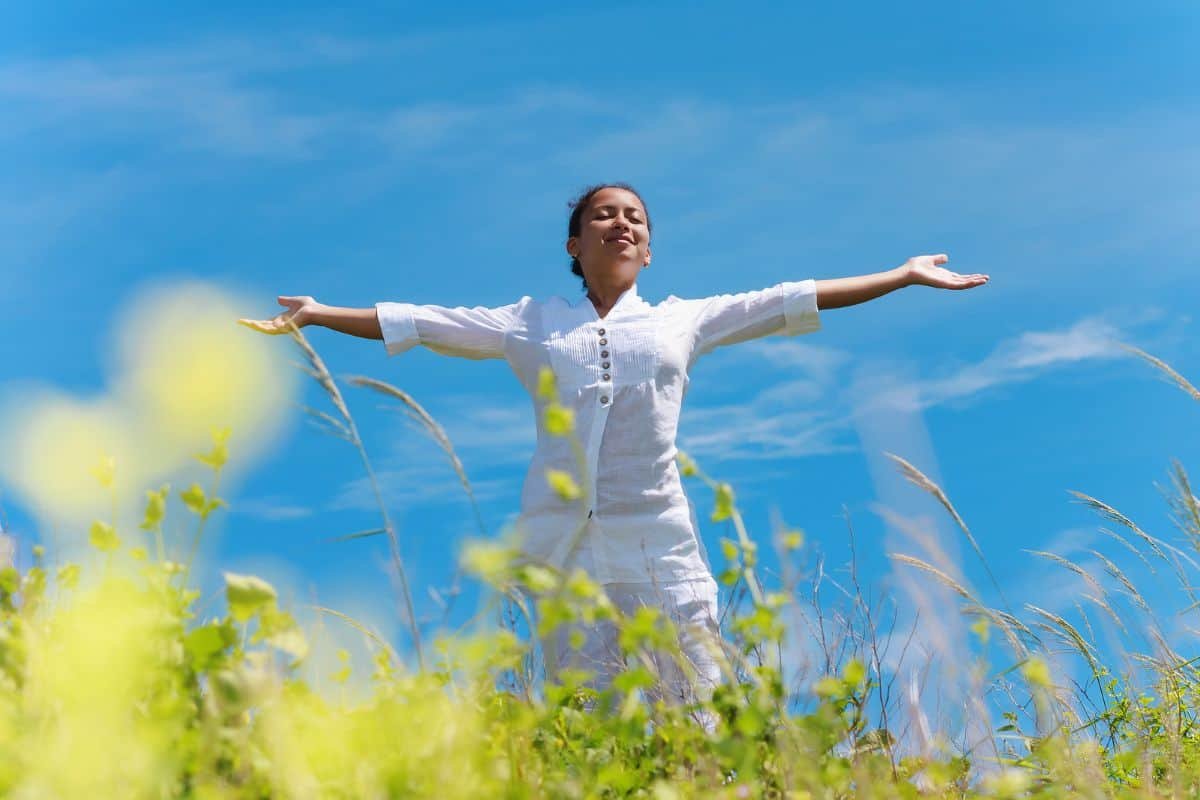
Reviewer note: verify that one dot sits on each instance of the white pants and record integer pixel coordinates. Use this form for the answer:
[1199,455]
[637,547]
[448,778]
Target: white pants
[692,607]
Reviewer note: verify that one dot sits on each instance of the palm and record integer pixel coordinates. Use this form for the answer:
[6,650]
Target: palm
[927,271]
[298,311]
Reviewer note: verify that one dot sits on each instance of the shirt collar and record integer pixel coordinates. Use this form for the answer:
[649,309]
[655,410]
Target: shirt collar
[628,297]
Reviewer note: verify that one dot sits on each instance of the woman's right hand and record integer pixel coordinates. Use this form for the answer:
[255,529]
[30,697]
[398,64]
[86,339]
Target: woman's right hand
[300,312]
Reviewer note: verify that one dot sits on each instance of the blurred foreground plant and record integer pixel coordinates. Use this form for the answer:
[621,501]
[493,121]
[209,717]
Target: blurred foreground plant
[112,685]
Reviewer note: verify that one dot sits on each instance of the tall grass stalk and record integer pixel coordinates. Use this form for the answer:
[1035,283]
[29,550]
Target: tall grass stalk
[321,374]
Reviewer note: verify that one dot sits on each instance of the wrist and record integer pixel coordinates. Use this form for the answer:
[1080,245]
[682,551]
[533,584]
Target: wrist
[903,275]
[319,314]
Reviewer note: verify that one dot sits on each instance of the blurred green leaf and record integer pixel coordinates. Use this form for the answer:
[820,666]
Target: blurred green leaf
[247,595]
[104,537]
[724,502]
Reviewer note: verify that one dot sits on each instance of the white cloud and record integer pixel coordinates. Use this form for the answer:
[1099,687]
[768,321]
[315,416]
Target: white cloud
[819,361]
[812,415]
[198,108]
[757,431]
[488,437]
[270,508]
[1013,361]
[417,485]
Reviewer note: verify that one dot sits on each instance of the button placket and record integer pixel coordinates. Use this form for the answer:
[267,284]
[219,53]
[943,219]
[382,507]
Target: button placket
[605,365]
[600,554]
[599,549]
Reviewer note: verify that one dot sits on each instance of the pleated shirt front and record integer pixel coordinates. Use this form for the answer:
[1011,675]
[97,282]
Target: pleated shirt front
[625,377]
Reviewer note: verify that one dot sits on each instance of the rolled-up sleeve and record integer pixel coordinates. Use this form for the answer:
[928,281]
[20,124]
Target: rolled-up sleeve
[788,308]
[466,332]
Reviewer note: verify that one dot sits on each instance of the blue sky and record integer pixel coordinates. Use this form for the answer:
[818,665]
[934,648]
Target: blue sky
[426,154]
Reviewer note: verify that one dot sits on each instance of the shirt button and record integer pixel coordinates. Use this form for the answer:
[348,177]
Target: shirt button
[606,376]
[603,399]
[605,365]
[603,342]
[604,354]
[601,331]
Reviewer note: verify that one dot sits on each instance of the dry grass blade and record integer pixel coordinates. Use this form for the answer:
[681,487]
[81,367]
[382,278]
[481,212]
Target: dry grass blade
[1166,368]
[1086,622]
[1102,602]
[1070,565]
[1150,661]
[326,422]
[359,535]
[1182,665]
[1014,623]
[1116,516]
[1165,648]
[1185,504]
[1009,625]
[1158,546]
[1128,546]
[1066,631]
[920,479]
[363,629]
[321,374]
[1112,569]
[307,370]
[945,579]
[432,426]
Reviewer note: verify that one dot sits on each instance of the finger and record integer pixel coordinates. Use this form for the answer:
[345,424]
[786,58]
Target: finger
[262,326]
[940,258]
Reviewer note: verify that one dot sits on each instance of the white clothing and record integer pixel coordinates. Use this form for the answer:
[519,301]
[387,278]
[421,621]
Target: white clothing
[690,605]
[624,377]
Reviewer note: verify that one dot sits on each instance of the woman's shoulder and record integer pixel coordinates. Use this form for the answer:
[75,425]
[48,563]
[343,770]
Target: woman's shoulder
[673,304]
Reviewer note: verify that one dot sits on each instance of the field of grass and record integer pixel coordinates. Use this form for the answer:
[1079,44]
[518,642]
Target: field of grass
[113,684]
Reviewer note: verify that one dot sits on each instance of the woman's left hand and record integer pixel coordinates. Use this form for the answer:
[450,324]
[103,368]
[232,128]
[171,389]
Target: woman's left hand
[927,271]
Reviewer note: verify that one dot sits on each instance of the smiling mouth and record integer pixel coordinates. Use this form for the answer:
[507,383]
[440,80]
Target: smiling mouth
[621,239]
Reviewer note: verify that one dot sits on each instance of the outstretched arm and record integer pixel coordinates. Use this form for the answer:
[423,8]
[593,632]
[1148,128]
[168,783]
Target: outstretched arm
[304,310]
[477,332]
[917,271]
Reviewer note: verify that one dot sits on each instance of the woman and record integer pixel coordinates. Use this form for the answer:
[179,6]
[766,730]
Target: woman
[621,366]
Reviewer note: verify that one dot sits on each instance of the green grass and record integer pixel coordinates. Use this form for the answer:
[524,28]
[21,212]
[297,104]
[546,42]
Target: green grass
[112,685]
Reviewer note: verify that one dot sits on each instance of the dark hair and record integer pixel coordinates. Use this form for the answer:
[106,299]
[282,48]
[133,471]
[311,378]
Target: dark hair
[580,204]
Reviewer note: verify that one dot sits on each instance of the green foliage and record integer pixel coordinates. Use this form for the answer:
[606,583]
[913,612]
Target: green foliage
[111,686]
[563,484]
[198,502]
[104,537]
[156,508]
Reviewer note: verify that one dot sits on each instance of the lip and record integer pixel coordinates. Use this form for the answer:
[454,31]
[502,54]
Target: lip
[622,239]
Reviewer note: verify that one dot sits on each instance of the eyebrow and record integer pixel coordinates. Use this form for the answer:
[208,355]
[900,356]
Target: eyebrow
[611,207]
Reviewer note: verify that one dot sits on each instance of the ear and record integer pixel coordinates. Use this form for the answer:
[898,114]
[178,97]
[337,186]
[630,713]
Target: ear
[573,246]
[646,260]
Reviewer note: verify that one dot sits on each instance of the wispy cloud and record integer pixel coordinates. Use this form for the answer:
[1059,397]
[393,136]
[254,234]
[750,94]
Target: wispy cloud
[198,107]
[489,438]
[813,414]
[715,161]
[271,508]
[750,431]
[417,485]
[1013,361]
[818,362]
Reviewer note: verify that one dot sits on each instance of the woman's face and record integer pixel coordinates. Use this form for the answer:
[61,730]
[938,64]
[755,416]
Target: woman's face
[614,237]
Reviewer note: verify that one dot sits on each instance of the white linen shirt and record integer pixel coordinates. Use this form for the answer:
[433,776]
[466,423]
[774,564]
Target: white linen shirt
[625,377]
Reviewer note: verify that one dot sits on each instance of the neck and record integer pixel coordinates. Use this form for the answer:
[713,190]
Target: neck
[605,295]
